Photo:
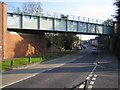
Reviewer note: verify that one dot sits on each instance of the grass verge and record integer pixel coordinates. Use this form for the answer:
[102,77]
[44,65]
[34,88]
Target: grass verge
[9,64]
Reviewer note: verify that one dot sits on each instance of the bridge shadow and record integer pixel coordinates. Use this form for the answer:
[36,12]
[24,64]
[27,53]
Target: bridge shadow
[30,44]
[67,68]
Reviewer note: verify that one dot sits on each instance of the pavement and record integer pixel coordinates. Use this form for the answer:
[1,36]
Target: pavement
[107,72]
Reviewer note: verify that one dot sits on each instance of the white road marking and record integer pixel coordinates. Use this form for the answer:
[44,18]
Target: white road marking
[30,76]
[88,78]
[50,69]
[18,81]
[73,60]
[91,72]
[92,82]
[82,86]
[90,75]
[76,59]
[90,87]
[93,78]
[95,75]
[94,68]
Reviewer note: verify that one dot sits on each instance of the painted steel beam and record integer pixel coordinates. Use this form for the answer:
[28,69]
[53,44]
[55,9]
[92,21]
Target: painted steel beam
[29,22]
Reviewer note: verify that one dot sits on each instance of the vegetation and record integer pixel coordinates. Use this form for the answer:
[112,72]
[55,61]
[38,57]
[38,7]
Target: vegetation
[32,8]
[105,40]
[62,40]
[116,36]
[9,64]
[64,16]
[108,22]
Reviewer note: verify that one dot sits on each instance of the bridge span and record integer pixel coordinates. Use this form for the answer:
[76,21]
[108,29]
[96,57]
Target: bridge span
[56,23]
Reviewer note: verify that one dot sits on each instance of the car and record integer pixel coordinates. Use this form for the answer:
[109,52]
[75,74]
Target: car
[95,51]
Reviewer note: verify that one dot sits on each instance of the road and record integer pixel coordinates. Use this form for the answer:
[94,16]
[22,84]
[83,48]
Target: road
[93,67]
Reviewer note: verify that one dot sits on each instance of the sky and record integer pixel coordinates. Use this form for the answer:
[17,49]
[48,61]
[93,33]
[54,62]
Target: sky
[97,9]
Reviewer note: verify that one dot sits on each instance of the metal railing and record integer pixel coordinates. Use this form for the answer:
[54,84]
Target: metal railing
[69,17]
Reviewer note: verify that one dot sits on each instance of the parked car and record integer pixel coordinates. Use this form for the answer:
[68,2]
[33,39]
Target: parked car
[95,51]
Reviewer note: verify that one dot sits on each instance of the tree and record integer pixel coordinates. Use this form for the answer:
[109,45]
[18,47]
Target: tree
[117,16]
[62,40]
[108,22]
[116,36]
[64,16]
[32,8]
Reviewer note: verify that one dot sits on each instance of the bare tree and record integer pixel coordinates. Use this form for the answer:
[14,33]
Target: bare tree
[32,8]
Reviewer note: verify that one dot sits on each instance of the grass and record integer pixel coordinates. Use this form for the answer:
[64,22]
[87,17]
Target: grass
[9,64]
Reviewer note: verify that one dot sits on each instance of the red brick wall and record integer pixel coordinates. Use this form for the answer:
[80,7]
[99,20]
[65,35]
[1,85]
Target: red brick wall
[2,26]
[21,44]
[0,31]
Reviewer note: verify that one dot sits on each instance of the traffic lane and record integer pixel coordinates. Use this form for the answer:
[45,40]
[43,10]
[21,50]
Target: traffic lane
[88,58]
[57,78]
[66,76]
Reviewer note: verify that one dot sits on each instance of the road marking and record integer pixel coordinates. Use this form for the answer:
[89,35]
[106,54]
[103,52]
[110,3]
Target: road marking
[76,59]
[95,75]
[88,78]
[90,87]
[18,81]
[31,76]
[93,78]
[94,68]
[82,86]
[92,82]
[90,75]
[49,69]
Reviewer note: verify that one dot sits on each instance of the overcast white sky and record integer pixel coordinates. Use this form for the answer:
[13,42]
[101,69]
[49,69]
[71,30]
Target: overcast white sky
[97,9]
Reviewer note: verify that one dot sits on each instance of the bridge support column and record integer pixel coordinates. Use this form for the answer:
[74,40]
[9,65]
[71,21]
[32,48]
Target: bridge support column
[3,27]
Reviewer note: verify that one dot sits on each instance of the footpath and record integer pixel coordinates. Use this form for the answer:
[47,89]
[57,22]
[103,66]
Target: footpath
[107,72]
[22,73]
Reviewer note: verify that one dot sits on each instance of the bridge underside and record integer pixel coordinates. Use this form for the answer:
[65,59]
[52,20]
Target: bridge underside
[33,31]
[35,24]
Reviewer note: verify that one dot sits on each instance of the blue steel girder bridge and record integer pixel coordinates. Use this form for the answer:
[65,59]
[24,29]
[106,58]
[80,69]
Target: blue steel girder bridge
[56,23]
